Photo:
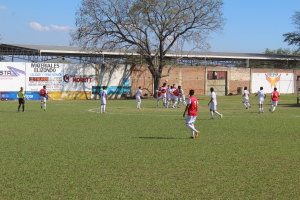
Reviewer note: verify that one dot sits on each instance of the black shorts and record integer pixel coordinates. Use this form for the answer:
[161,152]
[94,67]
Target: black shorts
[21,101]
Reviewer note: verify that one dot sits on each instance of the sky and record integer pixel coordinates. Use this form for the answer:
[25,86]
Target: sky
[251,25]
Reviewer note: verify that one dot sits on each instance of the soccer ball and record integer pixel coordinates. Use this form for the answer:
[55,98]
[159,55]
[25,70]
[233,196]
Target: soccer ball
[166,80]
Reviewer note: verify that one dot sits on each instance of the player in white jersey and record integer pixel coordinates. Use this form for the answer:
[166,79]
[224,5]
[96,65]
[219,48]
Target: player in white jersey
[261,97]
[246,98]
[214,104]
[181,96]
[169,90]
[138,97]
[103,99]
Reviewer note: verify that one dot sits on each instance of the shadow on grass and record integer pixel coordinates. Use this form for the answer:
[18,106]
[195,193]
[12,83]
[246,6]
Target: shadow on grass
[163,138]
[290,105]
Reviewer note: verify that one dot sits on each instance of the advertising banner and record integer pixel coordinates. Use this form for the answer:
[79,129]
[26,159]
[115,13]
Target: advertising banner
[5,96]
[40,74]
[284,82]
[12,76]
[68,95]
[78,77]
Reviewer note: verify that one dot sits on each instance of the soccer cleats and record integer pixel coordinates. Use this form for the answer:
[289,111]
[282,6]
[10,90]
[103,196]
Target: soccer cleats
[197,133]
[192,137]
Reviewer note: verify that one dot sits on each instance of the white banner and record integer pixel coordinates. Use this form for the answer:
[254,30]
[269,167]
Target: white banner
[78,77]
[284,82]
[39,74]
[12,76]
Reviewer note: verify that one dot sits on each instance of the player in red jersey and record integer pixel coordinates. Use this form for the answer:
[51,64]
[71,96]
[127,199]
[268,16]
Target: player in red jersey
[163,90]
[175,93]
[274,99]
[43,93]
[159,95]
[192,107]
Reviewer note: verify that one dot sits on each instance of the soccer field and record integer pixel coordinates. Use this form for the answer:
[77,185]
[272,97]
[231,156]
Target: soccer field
[71,151]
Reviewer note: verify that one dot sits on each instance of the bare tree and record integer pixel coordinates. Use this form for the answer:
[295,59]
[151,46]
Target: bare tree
[293,38]
[151,27]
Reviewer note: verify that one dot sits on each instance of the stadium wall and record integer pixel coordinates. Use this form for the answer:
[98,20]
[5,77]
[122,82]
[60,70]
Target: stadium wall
[195,77]
[76,81]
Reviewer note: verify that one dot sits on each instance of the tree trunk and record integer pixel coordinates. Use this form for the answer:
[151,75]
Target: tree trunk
[156,80]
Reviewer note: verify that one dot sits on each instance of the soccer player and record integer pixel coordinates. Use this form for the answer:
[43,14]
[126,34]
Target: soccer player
[103,98]
[169,91]
[159,95]
[246,98]
[261,97]
[163,90]
[181,96]
[192,107]
[43,93]
[274,98]
[214,104]
[21,99]
[138,97]
[175,93]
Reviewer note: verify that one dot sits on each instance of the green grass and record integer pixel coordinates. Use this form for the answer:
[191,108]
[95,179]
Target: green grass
[71,151]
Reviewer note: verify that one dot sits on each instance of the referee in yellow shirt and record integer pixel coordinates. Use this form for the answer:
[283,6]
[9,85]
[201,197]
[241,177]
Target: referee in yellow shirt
[21,99]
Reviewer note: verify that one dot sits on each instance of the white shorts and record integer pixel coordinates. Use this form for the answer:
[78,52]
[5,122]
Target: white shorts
[103,101]
[172,96]
[158,98]
[261,101]
[163,95]
[43,99]
[213,106]
[182,98]
[138,98]
[190,119]
[274,103]
[246,100]
[175,98]
[169,97]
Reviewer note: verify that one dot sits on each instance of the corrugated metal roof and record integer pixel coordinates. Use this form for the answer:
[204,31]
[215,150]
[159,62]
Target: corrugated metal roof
[82,52]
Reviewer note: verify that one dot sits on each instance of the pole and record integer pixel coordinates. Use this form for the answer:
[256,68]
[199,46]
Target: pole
[297,92]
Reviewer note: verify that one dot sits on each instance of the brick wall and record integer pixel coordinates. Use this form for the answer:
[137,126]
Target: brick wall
[238,77]
[195,77]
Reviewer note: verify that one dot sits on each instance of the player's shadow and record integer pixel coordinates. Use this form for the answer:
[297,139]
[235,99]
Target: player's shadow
[290,105]
[159,138]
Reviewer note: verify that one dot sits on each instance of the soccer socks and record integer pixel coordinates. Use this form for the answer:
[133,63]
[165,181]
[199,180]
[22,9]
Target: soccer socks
[104,108]
[274,108]
[248,105]
[168,104]
[245,105]
[23,107]
[175,104]
[191,126]
[212,114]
[139,104]
[44,106]
[101,108]
[157,102]
[259,109]
[217,113]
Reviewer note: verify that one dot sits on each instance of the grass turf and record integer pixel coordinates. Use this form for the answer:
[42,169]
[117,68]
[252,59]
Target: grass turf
[72,151]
